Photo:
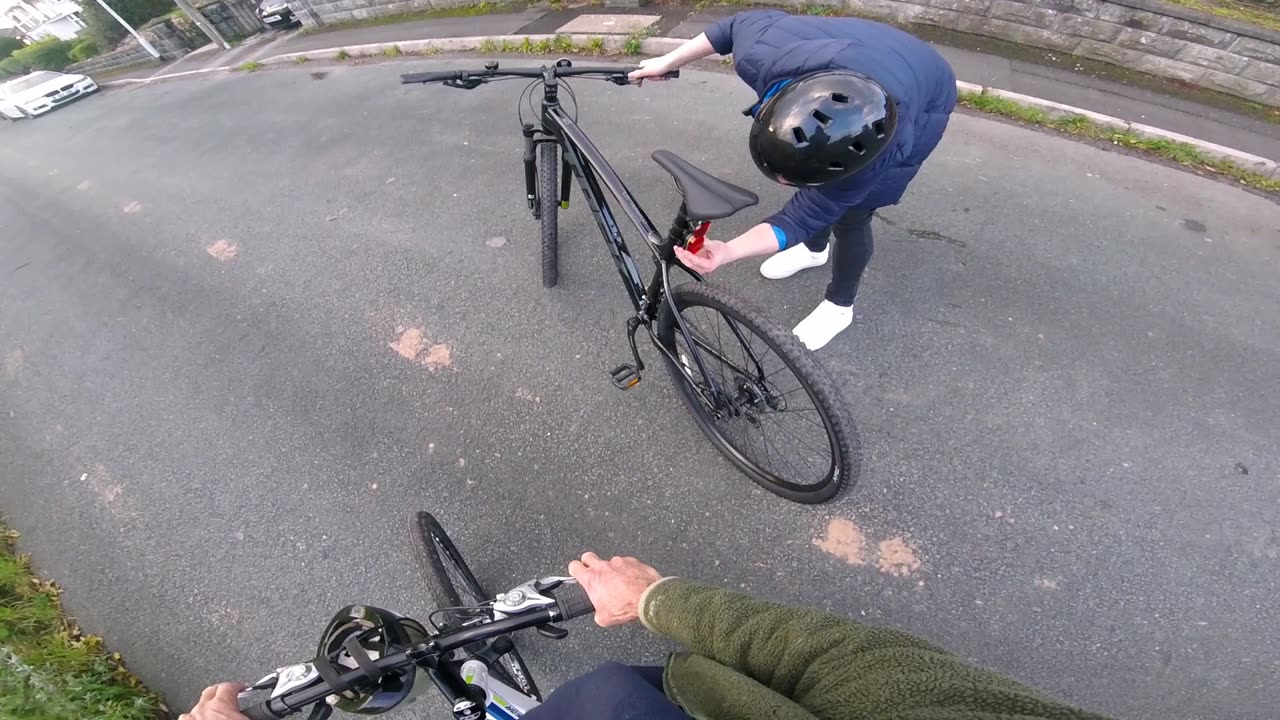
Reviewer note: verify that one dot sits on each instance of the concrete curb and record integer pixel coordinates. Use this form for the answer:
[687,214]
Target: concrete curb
[661,45]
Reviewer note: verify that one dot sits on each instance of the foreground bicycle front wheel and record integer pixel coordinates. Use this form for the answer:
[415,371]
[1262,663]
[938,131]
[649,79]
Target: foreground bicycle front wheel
[454,588]
[775,411]
[548,210]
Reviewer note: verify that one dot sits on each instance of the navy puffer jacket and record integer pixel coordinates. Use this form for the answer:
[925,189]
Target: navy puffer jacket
[770,46]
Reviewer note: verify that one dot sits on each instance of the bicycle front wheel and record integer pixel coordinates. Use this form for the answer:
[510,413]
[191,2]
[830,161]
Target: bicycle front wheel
[771,409]
[548,211]
[453,588]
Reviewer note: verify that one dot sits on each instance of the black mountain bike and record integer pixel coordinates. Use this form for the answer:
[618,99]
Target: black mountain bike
[372,660]
[761,398]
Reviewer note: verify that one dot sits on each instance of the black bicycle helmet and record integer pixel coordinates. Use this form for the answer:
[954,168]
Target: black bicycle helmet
[371,633]
[822,127]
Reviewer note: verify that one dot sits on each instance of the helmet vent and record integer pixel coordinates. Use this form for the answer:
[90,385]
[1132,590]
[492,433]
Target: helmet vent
[878,126]
[840,98]
[821,117]
[801,138]
[835,166]
[858,147]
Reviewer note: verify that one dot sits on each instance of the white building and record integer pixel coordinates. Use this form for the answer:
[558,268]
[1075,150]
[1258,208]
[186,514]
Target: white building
[40,19]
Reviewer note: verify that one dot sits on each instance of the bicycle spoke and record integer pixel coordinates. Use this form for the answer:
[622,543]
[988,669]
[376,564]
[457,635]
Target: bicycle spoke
[807,446]
[786,456]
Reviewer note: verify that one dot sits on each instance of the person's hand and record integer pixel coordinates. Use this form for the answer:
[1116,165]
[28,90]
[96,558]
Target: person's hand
[217,702]
[710,256]
[614,586]
[651,69]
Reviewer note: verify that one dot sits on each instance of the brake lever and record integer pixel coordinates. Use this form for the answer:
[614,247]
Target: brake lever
[467,83]
[551,582]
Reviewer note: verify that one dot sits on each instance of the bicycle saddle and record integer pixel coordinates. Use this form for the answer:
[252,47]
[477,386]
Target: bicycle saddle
[706,197]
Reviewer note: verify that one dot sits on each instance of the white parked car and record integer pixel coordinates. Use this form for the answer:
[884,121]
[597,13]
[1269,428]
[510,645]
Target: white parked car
[40,92]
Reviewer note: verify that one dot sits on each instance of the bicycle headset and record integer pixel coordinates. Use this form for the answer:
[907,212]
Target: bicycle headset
[821,128]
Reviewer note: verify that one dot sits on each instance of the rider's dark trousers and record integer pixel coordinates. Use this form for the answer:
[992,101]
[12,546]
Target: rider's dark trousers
[612,691]
[850,255]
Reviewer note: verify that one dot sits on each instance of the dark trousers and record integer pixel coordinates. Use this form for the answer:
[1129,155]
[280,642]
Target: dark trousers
[614,691]
[850,255]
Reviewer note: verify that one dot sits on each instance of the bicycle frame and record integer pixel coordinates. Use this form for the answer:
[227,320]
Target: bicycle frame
[502,702]
[592,170]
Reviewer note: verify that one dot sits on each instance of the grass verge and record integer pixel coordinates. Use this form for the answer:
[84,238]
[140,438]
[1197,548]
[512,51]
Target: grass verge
[1181,153]
[48,669]
[556,45]
[1250,13]
[251,66]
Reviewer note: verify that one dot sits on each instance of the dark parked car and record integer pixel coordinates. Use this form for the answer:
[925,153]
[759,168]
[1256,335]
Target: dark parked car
[277,14]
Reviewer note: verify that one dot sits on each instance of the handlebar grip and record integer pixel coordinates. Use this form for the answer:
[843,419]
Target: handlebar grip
[428,77]
[573,601]
[671,75]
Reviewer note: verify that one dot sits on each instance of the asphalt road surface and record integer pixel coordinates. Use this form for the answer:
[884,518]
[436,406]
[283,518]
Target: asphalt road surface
[248,323]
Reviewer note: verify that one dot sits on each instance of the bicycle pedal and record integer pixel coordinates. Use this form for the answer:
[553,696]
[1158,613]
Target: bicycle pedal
[625,377]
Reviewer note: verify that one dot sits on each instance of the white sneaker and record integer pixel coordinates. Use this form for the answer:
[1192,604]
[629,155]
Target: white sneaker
[793,260]
[824,323]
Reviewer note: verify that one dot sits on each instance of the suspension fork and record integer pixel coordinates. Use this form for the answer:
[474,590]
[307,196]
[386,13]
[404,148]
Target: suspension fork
[566,181]
[530,168]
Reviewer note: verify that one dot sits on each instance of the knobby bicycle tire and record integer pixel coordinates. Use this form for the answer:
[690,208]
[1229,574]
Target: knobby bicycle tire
[433,549]
[548,211]
[812,376]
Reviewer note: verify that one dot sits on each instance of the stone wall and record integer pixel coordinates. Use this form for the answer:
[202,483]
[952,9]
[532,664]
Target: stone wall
[168,37]
[327,11]
[1147,35]
[129,55]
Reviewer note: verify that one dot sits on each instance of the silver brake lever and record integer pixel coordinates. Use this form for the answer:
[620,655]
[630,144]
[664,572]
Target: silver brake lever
[527,596]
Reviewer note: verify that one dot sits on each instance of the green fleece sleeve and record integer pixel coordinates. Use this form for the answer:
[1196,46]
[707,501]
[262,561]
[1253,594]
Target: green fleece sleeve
[831,666]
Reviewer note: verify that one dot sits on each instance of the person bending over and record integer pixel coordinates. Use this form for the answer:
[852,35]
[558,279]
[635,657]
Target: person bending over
[848,111]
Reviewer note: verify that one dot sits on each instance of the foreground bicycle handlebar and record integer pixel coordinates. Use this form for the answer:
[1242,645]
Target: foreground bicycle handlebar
[468,79]
[537,603]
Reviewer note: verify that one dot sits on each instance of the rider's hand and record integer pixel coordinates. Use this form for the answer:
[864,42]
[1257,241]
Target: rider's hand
[217,702]
[614,586]
[712,255]
[652,69]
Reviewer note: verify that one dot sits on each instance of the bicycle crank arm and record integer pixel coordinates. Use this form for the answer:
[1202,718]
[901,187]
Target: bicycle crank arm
[625,377]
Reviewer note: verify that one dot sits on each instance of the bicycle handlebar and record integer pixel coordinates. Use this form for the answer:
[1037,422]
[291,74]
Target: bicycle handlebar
[487,74]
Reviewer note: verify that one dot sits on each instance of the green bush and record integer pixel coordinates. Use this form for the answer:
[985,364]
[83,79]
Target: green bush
[10,66]
[50,54]
[8,45]
[105,31]
[84,50]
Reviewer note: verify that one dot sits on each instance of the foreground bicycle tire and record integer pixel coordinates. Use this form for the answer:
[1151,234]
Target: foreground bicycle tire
[548,211]
[803,366]
[437,556]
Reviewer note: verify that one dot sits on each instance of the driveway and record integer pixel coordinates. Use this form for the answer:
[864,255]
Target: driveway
[248,323]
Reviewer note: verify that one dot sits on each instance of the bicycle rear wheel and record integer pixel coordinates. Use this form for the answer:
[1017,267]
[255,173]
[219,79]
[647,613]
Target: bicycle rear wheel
[451,584]
[779,417]
[548,211]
